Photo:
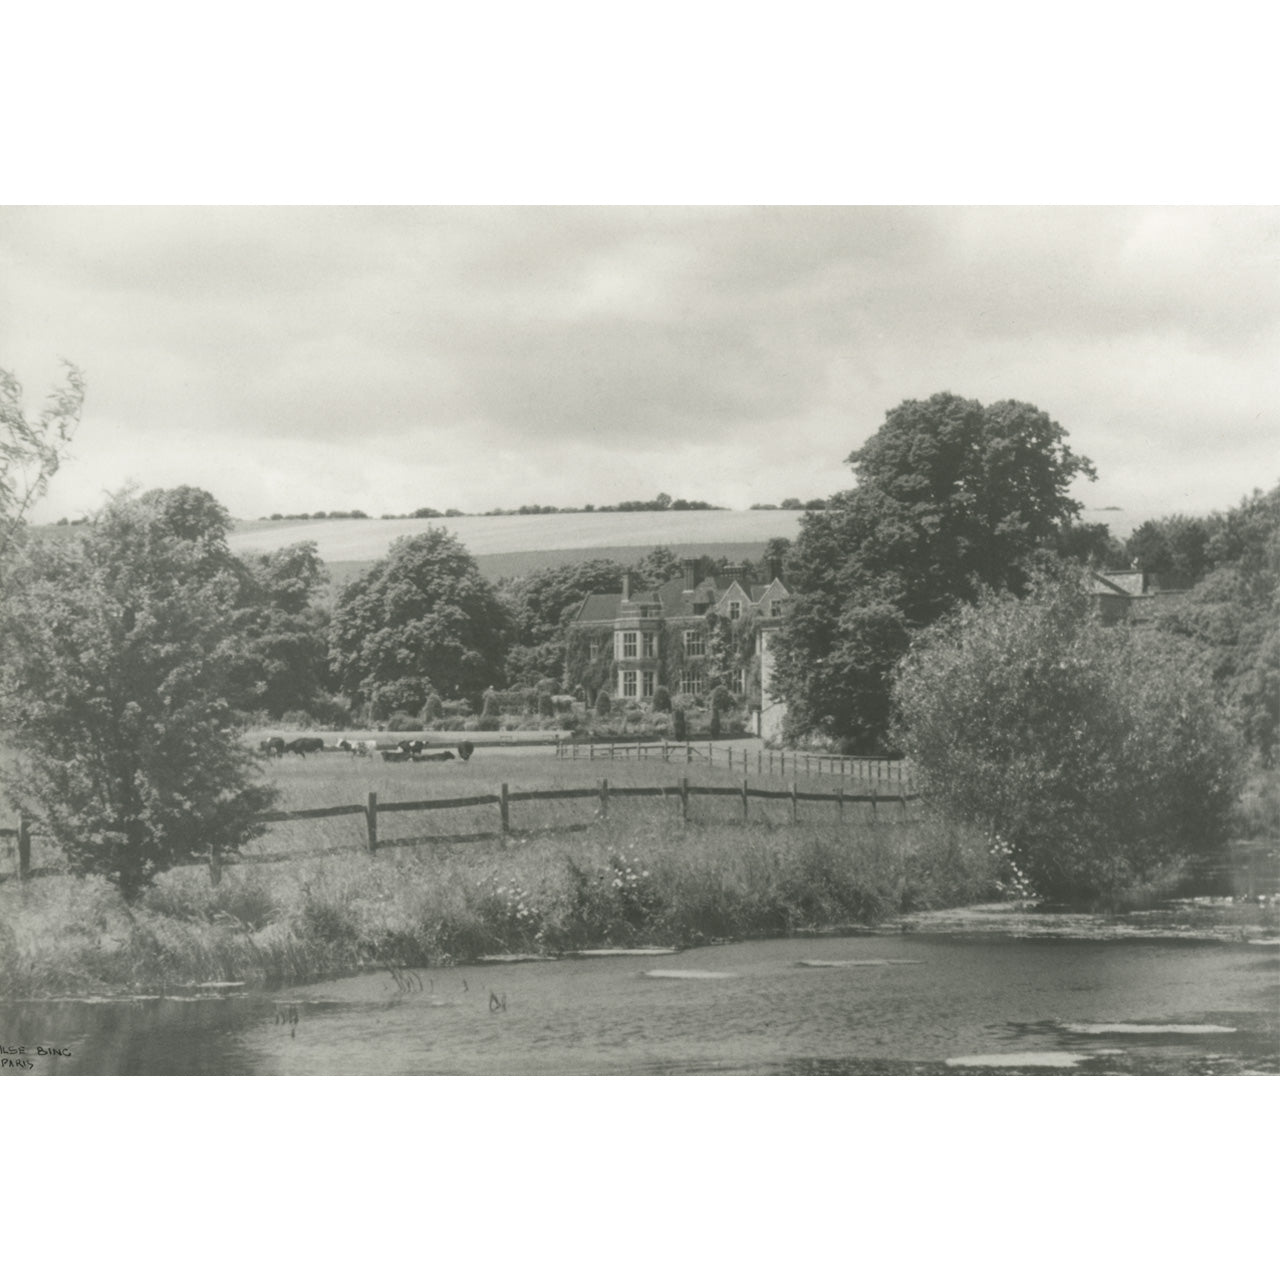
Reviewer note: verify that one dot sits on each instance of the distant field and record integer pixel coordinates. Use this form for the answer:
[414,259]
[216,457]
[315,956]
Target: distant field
[511,564]
[364,540]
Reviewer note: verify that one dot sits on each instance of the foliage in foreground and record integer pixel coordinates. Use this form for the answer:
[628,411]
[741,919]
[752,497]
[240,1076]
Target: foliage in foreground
[1098,754]
[656,883]
[113,690]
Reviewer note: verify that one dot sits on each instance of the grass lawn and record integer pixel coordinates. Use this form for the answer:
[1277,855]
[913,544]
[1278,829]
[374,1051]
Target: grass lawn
[330,779]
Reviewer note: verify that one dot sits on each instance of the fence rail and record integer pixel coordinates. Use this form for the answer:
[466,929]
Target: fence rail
[504,799]
[1255,869]
[878,769]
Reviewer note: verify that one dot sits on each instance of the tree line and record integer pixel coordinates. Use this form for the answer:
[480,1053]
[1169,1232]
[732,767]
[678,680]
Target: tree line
[939,606]
[663,502]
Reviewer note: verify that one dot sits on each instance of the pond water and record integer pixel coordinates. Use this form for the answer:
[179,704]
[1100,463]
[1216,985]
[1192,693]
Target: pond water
[961,1000]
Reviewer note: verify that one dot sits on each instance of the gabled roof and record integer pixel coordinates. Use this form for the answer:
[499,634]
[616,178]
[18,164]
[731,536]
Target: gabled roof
[599,608]
[673,600]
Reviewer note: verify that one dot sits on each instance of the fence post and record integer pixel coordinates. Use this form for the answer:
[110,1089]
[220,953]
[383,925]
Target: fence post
[795,808]
[744,799]
[840,800]
[371,821]
[730,759]
[666,750]
[591,749]
[215,868]
[688,751]
[875,791]
[504,811]
[604,797]
[684,799]
[24,847]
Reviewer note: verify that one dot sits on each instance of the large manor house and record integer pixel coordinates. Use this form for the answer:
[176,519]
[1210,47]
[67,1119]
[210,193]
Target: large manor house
[689,635]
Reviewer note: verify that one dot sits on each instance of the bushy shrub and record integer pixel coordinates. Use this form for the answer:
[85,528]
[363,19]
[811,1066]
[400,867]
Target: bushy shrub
[546,708]
[662,698]
[715,722]
[492,708]
[489,724]
[721,698]
[1096,754]
[679,725]
[604,704]
[567,720]
[432,709]
[331,711]
[403,722]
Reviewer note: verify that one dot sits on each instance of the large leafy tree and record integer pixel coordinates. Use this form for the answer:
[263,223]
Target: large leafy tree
[952,497]
[282,650]
[1175,545]
[1095,754]
[1234,614]
[114,689]
[540,604]
[421,619]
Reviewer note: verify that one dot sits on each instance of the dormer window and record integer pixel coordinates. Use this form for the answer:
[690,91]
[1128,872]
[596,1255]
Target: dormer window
[775,608]
[735,610]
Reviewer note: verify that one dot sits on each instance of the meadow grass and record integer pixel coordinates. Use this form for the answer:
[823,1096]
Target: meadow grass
[634,880]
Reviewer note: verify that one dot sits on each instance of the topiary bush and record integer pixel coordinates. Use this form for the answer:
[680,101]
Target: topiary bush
[433,709]
[604,704]
[662,698]
[679,725]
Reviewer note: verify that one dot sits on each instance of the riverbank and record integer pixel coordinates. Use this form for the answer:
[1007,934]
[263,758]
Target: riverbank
[653,882]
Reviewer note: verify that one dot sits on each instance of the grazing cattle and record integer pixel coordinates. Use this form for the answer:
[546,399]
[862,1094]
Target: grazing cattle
[395,757]
[464,752]
[304,746]
[430,757]
[272,746]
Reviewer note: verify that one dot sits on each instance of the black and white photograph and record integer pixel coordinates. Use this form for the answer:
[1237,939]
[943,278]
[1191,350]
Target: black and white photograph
[639,640]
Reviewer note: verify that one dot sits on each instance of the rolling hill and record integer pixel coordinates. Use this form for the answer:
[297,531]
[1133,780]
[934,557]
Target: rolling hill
[508,545]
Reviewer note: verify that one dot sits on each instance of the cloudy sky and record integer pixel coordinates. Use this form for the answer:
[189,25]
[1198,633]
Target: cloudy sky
[300,358]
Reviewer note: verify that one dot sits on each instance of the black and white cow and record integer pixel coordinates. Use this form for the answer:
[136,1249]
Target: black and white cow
[304,746]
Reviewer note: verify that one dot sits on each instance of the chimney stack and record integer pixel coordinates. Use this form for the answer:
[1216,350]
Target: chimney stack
[626,585]
[690,567]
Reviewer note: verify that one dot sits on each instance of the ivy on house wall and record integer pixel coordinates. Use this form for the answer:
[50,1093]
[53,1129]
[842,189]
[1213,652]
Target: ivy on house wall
[581,669]
[728,644]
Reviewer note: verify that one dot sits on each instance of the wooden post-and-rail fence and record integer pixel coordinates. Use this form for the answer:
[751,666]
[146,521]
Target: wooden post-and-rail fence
[504,798]
[877,769]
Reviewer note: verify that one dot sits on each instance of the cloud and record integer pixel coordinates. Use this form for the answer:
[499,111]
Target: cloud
[336,357]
